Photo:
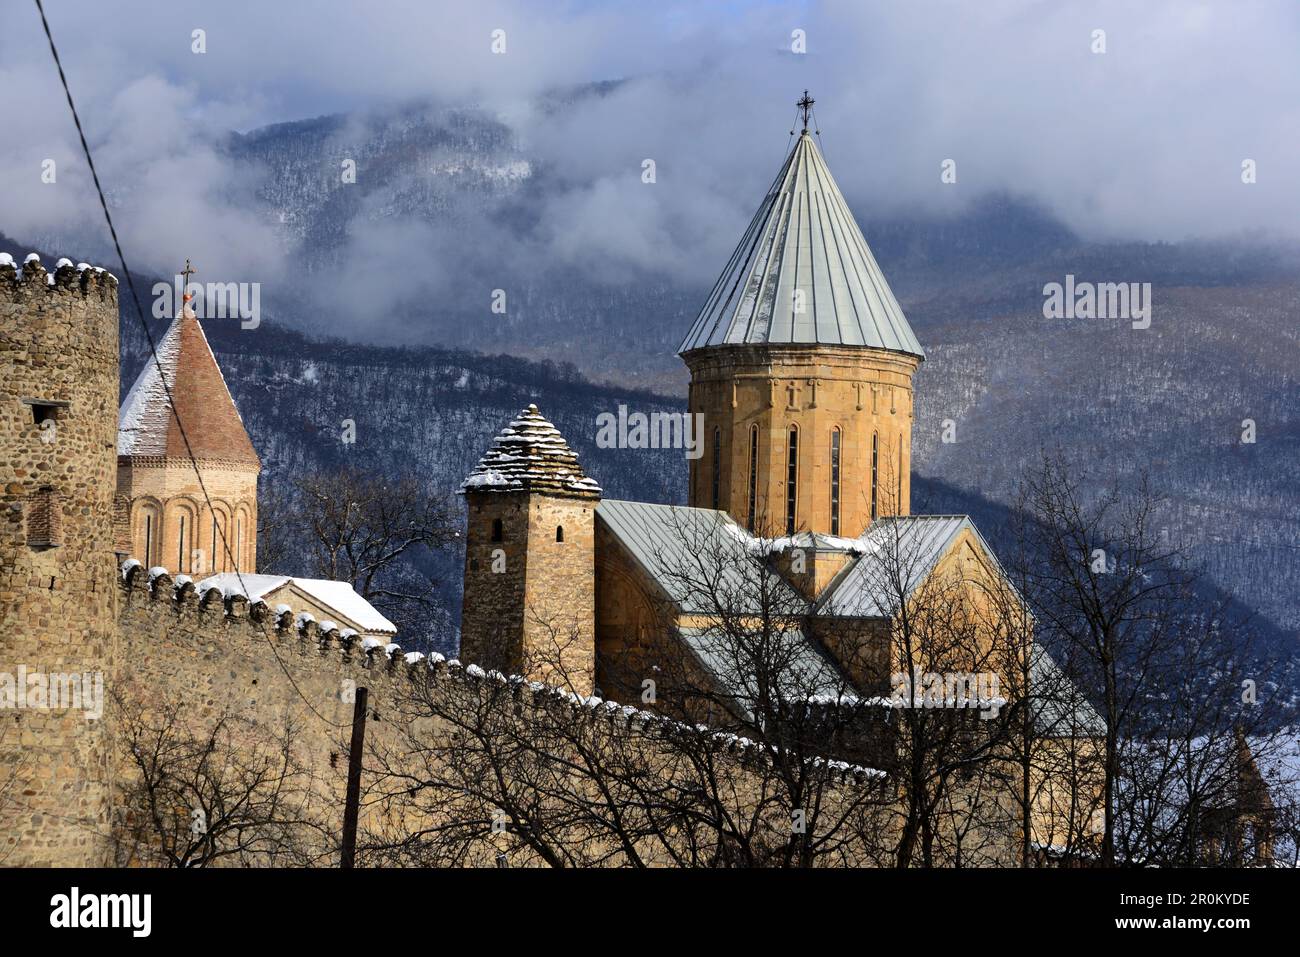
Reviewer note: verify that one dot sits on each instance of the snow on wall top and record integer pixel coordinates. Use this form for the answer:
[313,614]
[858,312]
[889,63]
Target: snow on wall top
[530,455]
[33,268]
[340,597]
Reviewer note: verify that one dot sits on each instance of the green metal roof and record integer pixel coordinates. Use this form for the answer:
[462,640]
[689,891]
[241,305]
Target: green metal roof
[803,273]
[898,553]
[685,549]
[1060,709]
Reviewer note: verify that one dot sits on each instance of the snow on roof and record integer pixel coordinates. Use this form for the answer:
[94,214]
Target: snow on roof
[530,455]
[340,597]
[187,365]
[906,547]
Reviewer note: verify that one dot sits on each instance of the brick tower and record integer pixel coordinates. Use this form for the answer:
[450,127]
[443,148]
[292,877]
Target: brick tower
[168,521]
[801,362]
[58,589]
[530,572]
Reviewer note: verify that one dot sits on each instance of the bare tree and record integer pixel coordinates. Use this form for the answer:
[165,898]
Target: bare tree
[198,792]
[730,757]
[375,533]
[1165,662]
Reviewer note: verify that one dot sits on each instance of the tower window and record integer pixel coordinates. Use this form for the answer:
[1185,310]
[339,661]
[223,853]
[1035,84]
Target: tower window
[717,467]
[835,481]
[180,545]
[753,475]
[44,409]
[791,480]
[497,531]
[148,541]
[559,533]
[875,465]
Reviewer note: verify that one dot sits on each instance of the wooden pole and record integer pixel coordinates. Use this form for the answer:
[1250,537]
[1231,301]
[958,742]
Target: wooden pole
[353,805]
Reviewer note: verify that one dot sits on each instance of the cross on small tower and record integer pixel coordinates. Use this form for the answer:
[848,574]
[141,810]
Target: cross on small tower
[186,273]
[805,105]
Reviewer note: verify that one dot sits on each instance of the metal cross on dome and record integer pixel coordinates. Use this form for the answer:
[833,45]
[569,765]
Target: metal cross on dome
[805,105]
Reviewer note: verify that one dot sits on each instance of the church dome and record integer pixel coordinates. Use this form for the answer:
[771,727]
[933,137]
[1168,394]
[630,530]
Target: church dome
[803,273]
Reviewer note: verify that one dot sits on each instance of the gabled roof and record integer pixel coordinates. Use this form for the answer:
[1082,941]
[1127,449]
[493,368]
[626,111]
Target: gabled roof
[1061,710]
[677,546]
[341,597]
[906,547]
[803,273]
[145,423]
[530,455]
[807,673]
[709,566]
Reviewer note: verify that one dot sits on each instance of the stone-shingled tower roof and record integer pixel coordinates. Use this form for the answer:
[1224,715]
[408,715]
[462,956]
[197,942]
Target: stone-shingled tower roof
[803,273]
[530,455]
[146,426]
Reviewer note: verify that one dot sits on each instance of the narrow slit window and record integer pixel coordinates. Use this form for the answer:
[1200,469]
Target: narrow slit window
[835,481]
[753,476]
[148,541]
[180,544]
[717,467]
[898,508]
[559,533]
[497,531]
[791,480]
[875,467]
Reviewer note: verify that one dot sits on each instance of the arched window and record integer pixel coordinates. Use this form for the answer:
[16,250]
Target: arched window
[218,543]
[875,468]
[791,480]
[753,475]
[559,533]
[835,481]
[147,528]
[180,543]
[717,466]
[497,532]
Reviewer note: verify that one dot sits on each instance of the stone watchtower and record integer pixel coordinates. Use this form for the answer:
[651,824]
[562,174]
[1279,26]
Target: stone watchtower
[801,362]
[169,522]
[58,587]
[530,570]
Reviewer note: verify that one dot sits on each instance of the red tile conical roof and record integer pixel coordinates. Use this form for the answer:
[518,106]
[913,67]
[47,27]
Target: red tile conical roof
[145,424]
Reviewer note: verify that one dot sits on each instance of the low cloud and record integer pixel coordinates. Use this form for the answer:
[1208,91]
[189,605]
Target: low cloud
[1143,141]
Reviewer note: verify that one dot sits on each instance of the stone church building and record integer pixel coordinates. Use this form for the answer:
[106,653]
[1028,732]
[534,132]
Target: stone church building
[801,364]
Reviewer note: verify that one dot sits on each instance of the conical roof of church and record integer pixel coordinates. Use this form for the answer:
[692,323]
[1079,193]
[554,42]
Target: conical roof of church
[145,424]
[803,273]
[530,455]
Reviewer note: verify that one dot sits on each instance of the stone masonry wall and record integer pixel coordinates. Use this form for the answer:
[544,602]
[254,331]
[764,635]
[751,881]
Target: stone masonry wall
[860,392]
[58,362]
